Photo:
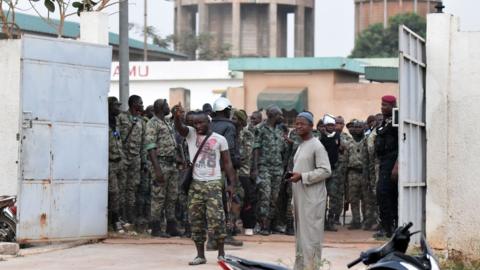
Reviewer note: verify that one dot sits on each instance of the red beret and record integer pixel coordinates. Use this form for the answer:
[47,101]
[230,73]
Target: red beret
[389,99]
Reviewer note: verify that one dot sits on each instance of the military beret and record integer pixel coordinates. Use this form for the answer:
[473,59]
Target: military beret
[389,99]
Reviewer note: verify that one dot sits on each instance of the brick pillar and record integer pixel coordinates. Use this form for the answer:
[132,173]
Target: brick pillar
[300,31]
[236,28]
[272,29]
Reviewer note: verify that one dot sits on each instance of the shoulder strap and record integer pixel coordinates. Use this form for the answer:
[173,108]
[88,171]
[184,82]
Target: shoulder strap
[200,148]
[134,122]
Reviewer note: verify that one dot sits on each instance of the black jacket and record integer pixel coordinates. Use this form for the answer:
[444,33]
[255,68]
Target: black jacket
[227,129]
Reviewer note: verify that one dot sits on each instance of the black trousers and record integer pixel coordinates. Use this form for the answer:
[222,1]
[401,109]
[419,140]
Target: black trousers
[387,195]
[248,210]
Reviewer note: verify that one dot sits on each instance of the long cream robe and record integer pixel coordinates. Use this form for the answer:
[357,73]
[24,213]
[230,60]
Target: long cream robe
[309,199]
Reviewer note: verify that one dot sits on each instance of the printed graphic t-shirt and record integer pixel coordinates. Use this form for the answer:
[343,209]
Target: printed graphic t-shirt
[207,166]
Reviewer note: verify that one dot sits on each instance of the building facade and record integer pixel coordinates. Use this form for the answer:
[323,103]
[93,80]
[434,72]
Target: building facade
[252,28]
[368,12]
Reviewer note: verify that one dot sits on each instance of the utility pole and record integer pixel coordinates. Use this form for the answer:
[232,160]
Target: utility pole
[145,25]
[123,54]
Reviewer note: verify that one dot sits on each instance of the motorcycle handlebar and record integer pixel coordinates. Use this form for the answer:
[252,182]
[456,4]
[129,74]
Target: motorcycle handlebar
[350,265]
[407,227]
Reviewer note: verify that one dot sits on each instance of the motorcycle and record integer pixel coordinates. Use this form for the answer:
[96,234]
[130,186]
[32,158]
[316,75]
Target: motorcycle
[235,263]
[8,224]
[392,255]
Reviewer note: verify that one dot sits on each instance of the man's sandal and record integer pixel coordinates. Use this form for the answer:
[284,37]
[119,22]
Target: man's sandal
[198,261]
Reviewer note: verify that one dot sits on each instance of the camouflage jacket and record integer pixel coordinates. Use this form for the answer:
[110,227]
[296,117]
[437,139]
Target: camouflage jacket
[357,154]
[115,152]
[246,140]
[160,135]
[271,144]
[132,132]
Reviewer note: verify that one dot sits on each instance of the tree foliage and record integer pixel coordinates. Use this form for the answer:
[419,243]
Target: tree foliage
[201,47]
[375,41]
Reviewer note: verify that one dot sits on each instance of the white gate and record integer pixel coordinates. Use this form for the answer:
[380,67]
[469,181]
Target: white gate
[412,140]
[64,140]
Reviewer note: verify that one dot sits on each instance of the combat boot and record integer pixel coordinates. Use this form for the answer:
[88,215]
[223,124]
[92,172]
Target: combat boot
[355,226]
[290,230]
[172,228]
[330,226]
[265,230]
[157,231]
[229,240]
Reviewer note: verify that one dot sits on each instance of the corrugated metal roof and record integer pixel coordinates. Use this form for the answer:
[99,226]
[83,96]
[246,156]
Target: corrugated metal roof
[32,23]
[296,64]
[381,74]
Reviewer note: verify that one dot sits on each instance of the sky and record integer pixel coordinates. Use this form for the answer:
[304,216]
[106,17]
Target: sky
[334,24]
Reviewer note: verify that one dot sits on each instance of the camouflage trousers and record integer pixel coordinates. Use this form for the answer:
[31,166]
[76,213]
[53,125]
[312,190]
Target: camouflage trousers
[335,192]
[143,198]
[130,187]
[181,208]
[164,196]
[115,176]
[205,204]
[268,189]
[360,192]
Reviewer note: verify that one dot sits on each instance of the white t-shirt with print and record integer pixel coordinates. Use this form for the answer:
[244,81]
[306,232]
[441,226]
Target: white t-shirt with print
[207,166]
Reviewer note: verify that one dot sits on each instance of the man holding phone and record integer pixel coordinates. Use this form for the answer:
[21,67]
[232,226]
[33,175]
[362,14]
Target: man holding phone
[311,168]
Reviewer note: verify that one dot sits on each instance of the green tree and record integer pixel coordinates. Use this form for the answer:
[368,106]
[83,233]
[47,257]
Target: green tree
[375,41]
[201,47]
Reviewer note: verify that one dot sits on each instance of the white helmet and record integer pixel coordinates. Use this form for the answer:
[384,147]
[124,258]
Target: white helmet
[221,104]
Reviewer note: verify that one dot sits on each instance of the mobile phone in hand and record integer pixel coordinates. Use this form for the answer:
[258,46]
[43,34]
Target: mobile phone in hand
[288,175]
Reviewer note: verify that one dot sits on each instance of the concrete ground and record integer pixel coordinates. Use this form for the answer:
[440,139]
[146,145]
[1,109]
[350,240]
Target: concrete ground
[174,253]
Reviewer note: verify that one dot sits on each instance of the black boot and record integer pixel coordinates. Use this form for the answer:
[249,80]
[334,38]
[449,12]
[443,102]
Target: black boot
[290,230]
[156,230]
[172,228]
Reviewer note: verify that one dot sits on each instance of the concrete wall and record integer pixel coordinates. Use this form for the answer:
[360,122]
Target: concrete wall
[352,100]
[453,170]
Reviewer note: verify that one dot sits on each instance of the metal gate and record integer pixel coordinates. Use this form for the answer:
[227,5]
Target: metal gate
[64,140]
[412,139]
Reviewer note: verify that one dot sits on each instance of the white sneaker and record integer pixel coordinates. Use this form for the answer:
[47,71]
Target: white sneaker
[249,232]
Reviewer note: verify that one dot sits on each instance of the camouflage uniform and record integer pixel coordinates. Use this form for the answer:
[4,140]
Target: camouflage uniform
[373,170]
[143,198]
[270,170]
[336,188]
[132,132]
[182,198]
[160,136]
[115,172]
[359,190]
[246,193]
[205,205]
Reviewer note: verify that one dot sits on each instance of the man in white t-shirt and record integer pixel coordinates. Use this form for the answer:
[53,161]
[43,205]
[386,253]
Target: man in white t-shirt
[206,189]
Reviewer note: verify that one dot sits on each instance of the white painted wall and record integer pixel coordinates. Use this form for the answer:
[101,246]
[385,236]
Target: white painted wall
[453,171]
[10,117]
[152,80]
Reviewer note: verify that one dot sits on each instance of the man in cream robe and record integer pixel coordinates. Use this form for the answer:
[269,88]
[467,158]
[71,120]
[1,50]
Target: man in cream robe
[311,168]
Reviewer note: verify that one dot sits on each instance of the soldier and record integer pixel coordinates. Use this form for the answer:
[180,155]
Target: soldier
[340,170]
[268,148]
[386,148]
[359,187]
[206,190]
[162,149]
[115,172]
[245,142]
[331,141]
[372,170]
[222,125]
[255,119]
[143,200]
[132,132]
